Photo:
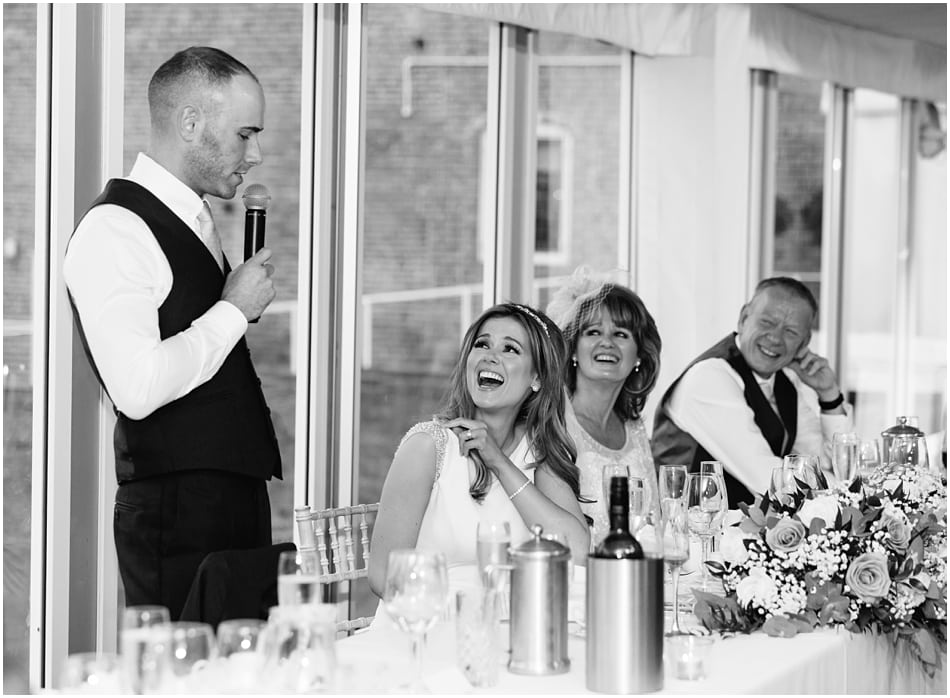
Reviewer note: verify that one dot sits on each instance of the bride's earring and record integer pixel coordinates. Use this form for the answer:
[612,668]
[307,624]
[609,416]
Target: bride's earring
[574,361]
[535,387]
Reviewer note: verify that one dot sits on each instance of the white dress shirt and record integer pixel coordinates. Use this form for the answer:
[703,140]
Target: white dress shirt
[709,403]
[119,277]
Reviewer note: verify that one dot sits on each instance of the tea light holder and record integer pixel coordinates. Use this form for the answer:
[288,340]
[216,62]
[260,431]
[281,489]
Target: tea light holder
[688,654]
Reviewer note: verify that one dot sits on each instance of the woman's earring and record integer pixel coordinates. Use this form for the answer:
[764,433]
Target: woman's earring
[574,361]
[636,367]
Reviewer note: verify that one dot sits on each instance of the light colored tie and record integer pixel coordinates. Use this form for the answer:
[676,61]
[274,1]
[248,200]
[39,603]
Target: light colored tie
[209,234]
[769,391]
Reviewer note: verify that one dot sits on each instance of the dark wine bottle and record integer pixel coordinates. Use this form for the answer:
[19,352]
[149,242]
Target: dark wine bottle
[619,544]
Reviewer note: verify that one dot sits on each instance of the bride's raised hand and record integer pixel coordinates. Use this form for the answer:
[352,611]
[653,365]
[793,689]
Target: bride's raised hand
[473,436]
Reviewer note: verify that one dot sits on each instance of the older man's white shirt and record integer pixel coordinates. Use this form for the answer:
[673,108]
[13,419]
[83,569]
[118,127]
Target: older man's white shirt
[709,403]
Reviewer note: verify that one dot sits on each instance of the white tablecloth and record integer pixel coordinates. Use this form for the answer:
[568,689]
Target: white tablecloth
[827,661]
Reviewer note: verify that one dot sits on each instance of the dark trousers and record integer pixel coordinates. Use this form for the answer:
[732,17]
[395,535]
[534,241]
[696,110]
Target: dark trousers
[165,526]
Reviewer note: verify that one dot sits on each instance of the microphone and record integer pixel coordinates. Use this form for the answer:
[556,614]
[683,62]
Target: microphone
[256,198]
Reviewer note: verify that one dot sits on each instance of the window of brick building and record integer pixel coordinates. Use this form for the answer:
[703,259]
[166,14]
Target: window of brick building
[425,104]
[800,152]
[19,143]
[579,161]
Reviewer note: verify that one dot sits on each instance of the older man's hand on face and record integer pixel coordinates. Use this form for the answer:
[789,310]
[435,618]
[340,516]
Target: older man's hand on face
[815,372]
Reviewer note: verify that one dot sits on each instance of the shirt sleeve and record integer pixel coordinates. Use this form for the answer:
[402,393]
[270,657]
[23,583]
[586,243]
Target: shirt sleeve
[709,403]
[118,278]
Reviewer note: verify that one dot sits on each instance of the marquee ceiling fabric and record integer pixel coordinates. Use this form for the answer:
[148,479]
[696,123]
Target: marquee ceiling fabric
[774,37]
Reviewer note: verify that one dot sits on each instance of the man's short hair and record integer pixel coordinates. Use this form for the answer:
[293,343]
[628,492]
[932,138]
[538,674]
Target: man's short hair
[190,67]
[793,287]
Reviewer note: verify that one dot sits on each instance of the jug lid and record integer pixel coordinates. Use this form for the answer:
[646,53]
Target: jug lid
[539,547]
[902,428]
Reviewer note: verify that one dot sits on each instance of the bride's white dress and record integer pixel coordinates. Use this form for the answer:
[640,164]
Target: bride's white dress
[451,518]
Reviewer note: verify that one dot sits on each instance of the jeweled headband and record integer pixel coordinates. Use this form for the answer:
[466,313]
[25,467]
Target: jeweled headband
[537,318]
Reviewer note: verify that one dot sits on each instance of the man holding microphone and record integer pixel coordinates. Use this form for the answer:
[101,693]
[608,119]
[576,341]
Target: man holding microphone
[163,317]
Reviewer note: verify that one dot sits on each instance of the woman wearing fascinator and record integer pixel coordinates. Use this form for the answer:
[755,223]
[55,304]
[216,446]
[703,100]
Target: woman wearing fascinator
[497,451]
[612,365]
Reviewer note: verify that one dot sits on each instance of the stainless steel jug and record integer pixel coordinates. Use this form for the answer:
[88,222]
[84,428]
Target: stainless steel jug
[539,606]
[624,625]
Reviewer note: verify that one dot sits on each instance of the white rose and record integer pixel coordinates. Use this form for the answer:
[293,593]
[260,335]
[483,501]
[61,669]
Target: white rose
[758,588]
[732,547]
[824,507]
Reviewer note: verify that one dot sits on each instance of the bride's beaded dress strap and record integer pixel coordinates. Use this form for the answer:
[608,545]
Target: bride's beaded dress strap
[439,435]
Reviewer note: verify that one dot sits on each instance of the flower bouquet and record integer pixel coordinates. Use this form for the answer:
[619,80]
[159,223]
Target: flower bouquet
[870,556]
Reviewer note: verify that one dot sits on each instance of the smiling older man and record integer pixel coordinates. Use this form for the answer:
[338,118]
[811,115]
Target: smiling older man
[756,396]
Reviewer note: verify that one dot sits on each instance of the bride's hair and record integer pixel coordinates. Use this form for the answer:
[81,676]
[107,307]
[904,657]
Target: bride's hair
[542,412]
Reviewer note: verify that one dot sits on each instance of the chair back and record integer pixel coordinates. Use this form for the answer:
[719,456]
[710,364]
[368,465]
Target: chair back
[340,536]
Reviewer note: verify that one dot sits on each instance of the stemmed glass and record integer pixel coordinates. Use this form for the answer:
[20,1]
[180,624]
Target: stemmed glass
[639,502]
[91,672]
[869,459]
[705,507]
[675,553]
[143,645]
[782,487]
[191,647]
[239,649]
[298,577]
[415,595]
[806,469]
[492,539]
[844,455]
[671,483]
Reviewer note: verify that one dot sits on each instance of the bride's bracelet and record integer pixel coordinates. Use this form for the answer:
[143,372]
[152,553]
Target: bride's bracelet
[519,490]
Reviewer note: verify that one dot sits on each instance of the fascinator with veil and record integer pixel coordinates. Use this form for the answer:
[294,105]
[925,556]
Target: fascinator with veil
[583,289]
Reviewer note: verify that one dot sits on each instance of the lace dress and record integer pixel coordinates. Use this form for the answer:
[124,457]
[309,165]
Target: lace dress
[592,456]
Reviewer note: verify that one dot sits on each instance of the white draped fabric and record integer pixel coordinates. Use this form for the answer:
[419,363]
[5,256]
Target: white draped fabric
[761,35]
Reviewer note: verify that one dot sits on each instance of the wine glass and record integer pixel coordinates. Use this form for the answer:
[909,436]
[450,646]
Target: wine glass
[492,539]
[90,672]
[143,642]
[415,595]
[675,554]
[869,458]
[806,469]
[191,647]
[844,455]
[298,648]
[238,647]
[672,481]
[639,501]
[298,577]
[705,510]
[714,467]
[782,486]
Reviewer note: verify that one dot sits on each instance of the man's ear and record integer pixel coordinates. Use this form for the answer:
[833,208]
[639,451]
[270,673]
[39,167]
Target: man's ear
[743,314]
[189,123]
[803,347]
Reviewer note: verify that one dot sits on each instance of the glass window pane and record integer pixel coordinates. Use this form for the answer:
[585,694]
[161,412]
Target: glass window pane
[578,161]
[928,349]
[799,180]
[19,157]
[154,32]
[871,258]
[425,105]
